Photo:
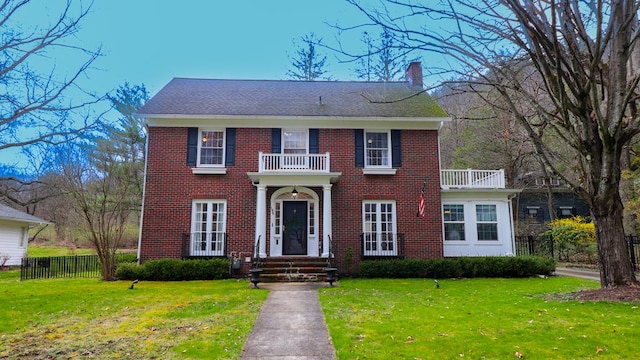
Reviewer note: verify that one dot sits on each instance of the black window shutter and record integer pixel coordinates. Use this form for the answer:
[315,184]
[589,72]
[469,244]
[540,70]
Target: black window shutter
[314,147]
[359,141]
[230,151]
[396,149]
[192,146]
[276,140]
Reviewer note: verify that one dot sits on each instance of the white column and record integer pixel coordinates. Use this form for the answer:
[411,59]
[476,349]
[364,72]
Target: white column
[261,220]
[326,219]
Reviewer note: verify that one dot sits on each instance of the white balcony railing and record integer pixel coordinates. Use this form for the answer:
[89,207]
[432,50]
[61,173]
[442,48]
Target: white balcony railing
[472,179]
[294,162]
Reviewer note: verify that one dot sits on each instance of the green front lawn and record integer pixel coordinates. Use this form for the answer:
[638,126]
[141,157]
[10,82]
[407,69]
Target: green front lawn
[46,251]
[367,319]
[73,318]
[477,319]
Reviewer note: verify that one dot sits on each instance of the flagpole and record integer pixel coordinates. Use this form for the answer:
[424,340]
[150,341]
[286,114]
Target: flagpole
[421,200]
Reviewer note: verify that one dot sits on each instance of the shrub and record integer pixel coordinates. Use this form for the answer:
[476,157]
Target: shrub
[493,266]
[126,258]
[129,271]
[574,238]
[175,270]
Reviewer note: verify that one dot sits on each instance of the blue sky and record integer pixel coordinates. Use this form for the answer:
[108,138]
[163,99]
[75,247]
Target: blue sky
[151,41]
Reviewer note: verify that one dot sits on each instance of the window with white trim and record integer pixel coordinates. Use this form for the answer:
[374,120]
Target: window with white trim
[487,222]
[295,142]
[379,228]
[453,220]
[211,148]
[566,212]
[377,149]
[208,228]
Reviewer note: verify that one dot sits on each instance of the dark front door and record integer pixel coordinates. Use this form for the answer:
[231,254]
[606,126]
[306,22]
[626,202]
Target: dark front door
[294,223]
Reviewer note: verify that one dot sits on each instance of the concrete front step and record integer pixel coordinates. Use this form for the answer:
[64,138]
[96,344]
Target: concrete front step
[293,269]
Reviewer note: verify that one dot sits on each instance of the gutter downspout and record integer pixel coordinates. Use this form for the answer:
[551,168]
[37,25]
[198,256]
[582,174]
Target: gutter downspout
[144,190]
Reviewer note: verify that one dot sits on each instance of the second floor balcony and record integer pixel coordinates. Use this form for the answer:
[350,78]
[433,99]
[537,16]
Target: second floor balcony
[472,179]
[294,163]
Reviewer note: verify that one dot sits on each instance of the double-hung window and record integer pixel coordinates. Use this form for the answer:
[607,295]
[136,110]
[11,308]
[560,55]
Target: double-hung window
[487,222]
[294,149]
[211,148]
[379,228]
[294,141]
[208,224]
[377,149]
[453,219]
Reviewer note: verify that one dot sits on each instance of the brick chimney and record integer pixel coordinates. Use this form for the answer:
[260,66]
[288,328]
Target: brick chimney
[414,74]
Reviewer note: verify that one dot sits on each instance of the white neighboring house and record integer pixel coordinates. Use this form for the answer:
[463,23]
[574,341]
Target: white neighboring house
[14,234]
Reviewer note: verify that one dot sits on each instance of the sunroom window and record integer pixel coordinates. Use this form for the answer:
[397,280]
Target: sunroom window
[453,218]
[487,222]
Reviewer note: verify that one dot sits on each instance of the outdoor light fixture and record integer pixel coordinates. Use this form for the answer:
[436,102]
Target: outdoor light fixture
[294,193]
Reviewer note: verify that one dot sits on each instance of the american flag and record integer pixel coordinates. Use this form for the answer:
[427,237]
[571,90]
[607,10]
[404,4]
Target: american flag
[421,202]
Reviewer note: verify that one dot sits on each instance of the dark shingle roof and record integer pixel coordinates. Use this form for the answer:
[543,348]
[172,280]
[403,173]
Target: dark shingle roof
[9,213]
[291,98]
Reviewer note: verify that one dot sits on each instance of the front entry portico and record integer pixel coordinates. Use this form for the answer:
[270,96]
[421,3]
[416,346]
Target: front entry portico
[294,222]
[270,211]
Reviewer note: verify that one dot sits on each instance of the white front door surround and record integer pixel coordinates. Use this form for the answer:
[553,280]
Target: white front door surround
[277,226]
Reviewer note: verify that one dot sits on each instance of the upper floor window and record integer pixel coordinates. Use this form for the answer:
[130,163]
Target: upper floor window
[211,148]
[534,213]
[566,212]
[295,142]
[377,149]
[553,181]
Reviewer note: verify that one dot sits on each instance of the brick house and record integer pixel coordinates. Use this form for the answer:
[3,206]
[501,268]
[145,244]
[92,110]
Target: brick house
[323,169]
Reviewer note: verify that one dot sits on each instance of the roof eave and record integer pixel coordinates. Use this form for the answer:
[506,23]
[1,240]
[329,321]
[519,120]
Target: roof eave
[271,121]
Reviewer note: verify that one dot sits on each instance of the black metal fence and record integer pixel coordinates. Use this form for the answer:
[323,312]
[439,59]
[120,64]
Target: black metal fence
[83,266]
[543,246]
[535,245]
[634,250]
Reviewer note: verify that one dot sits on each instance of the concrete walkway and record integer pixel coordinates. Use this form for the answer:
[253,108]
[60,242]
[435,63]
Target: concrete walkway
[583,274]
[290,325]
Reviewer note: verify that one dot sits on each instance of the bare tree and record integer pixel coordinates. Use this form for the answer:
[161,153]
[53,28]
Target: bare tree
[383,61]
[39,102]
[103,194]
[308,64]
[564,69]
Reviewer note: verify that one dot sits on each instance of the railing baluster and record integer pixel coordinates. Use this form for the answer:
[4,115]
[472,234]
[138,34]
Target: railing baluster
[293,162]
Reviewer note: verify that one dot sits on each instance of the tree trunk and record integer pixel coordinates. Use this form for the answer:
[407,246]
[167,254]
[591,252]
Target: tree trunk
[613,254]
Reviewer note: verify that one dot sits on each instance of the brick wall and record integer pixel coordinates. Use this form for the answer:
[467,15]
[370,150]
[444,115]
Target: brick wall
[171,187]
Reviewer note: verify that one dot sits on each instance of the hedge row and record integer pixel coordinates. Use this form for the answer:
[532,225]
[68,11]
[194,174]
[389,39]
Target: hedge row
[463,267]
[175,270]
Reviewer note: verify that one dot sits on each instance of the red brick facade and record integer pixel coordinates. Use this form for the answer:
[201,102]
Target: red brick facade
[171,187]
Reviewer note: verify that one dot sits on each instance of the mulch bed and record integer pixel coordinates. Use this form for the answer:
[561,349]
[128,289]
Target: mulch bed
[614,294]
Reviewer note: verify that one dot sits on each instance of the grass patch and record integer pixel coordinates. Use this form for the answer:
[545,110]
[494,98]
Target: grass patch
[477,319]
[46,251]
[71,318]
